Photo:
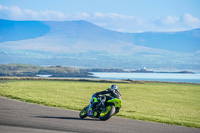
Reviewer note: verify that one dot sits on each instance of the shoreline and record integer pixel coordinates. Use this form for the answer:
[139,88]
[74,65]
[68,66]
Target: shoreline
[93,80]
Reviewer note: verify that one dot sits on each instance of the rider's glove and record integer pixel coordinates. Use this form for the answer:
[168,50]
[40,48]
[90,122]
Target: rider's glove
[96,94]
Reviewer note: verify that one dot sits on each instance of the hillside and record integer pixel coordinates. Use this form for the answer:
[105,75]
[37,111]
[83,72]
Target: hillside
[185,41]
[21,30]
[83,33]
[83,44]
[23,70]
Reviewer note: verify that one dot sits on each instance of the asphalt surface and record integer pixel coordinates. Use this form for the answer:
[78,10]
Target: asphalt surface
[20,117]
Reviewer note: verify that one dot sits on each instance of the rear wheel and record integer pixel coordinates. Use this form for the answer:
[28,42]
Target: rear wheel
[107,113]
[83,113]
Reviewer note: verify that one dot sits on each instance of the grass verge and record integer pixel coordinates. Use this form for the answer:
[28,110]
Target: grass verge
[177,104]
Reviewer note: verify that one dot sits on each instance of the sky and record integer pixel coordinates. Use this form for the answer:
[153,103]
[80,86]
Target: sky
[119,15]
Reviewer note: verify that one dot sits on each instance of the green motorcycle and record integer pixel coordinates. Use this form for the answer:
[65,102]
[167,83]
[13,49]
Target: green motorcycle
[109,108]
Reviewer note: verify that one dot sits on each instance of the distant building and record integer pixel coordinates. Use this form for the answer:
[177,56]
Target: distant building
[143,70]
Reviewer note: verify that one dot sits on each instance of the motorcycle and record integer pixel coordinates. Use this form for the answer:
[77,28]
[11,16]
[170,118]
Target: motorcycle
[99,108]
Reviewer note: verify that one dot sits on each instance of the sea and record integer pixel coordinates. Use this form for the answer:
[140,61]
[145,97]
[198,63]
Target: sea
[167,77]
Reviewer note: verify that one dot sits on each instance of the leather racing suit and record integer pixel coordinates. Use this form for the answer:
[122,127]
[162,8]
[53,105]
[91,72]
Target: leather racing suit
[113,93]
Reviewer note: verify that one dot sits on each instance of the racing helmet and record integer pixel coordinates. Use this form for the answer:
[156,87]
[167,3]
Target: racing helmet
[114,87]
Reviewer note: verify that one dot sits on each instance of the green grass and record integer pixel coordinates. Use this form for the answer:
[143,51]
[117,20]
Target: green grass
[177,104]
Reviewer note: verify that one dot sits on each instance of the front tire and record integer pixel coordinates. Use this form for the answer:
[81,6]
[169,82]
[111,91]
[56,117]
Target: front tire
[83,113]
[109,112]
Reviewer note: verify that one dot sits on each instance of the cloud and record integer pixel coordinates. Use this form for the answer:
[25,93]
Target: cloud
[113,21]
[17,13]
[125,23]
[169,20]
[173,23]
[188,19]
[99,15]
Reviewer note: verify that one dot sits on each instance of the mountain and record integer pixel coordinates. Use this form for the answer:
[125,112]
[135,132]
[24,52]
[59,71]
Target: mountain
[185,41]
[83,44]
[21,30]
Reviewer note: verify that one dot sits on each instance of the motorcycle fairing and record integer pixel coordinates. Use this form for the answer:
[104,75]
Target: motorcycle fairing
[117,102]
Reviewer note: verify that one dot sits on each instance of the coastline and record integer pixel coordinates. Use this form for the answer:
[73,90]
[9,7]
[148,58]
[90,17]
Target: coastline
[3,79]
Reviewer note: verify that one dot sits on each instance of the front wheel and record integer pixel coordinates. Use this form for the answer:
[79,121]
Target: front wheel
[83,113]
[107,113]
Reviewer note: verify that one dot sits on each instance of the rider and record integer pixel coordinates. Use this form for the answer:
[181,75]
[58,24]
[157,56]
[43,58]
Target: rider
[113,93]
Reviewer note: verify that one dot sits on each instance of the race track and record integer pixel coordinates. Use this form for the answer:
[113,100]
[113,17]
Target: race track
[20,117]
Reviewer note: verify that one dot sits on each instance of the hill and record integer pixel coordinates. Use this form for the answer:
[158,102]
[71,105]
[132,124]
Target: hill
[21,30]
[83,44]
[185,41]
[24,70]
